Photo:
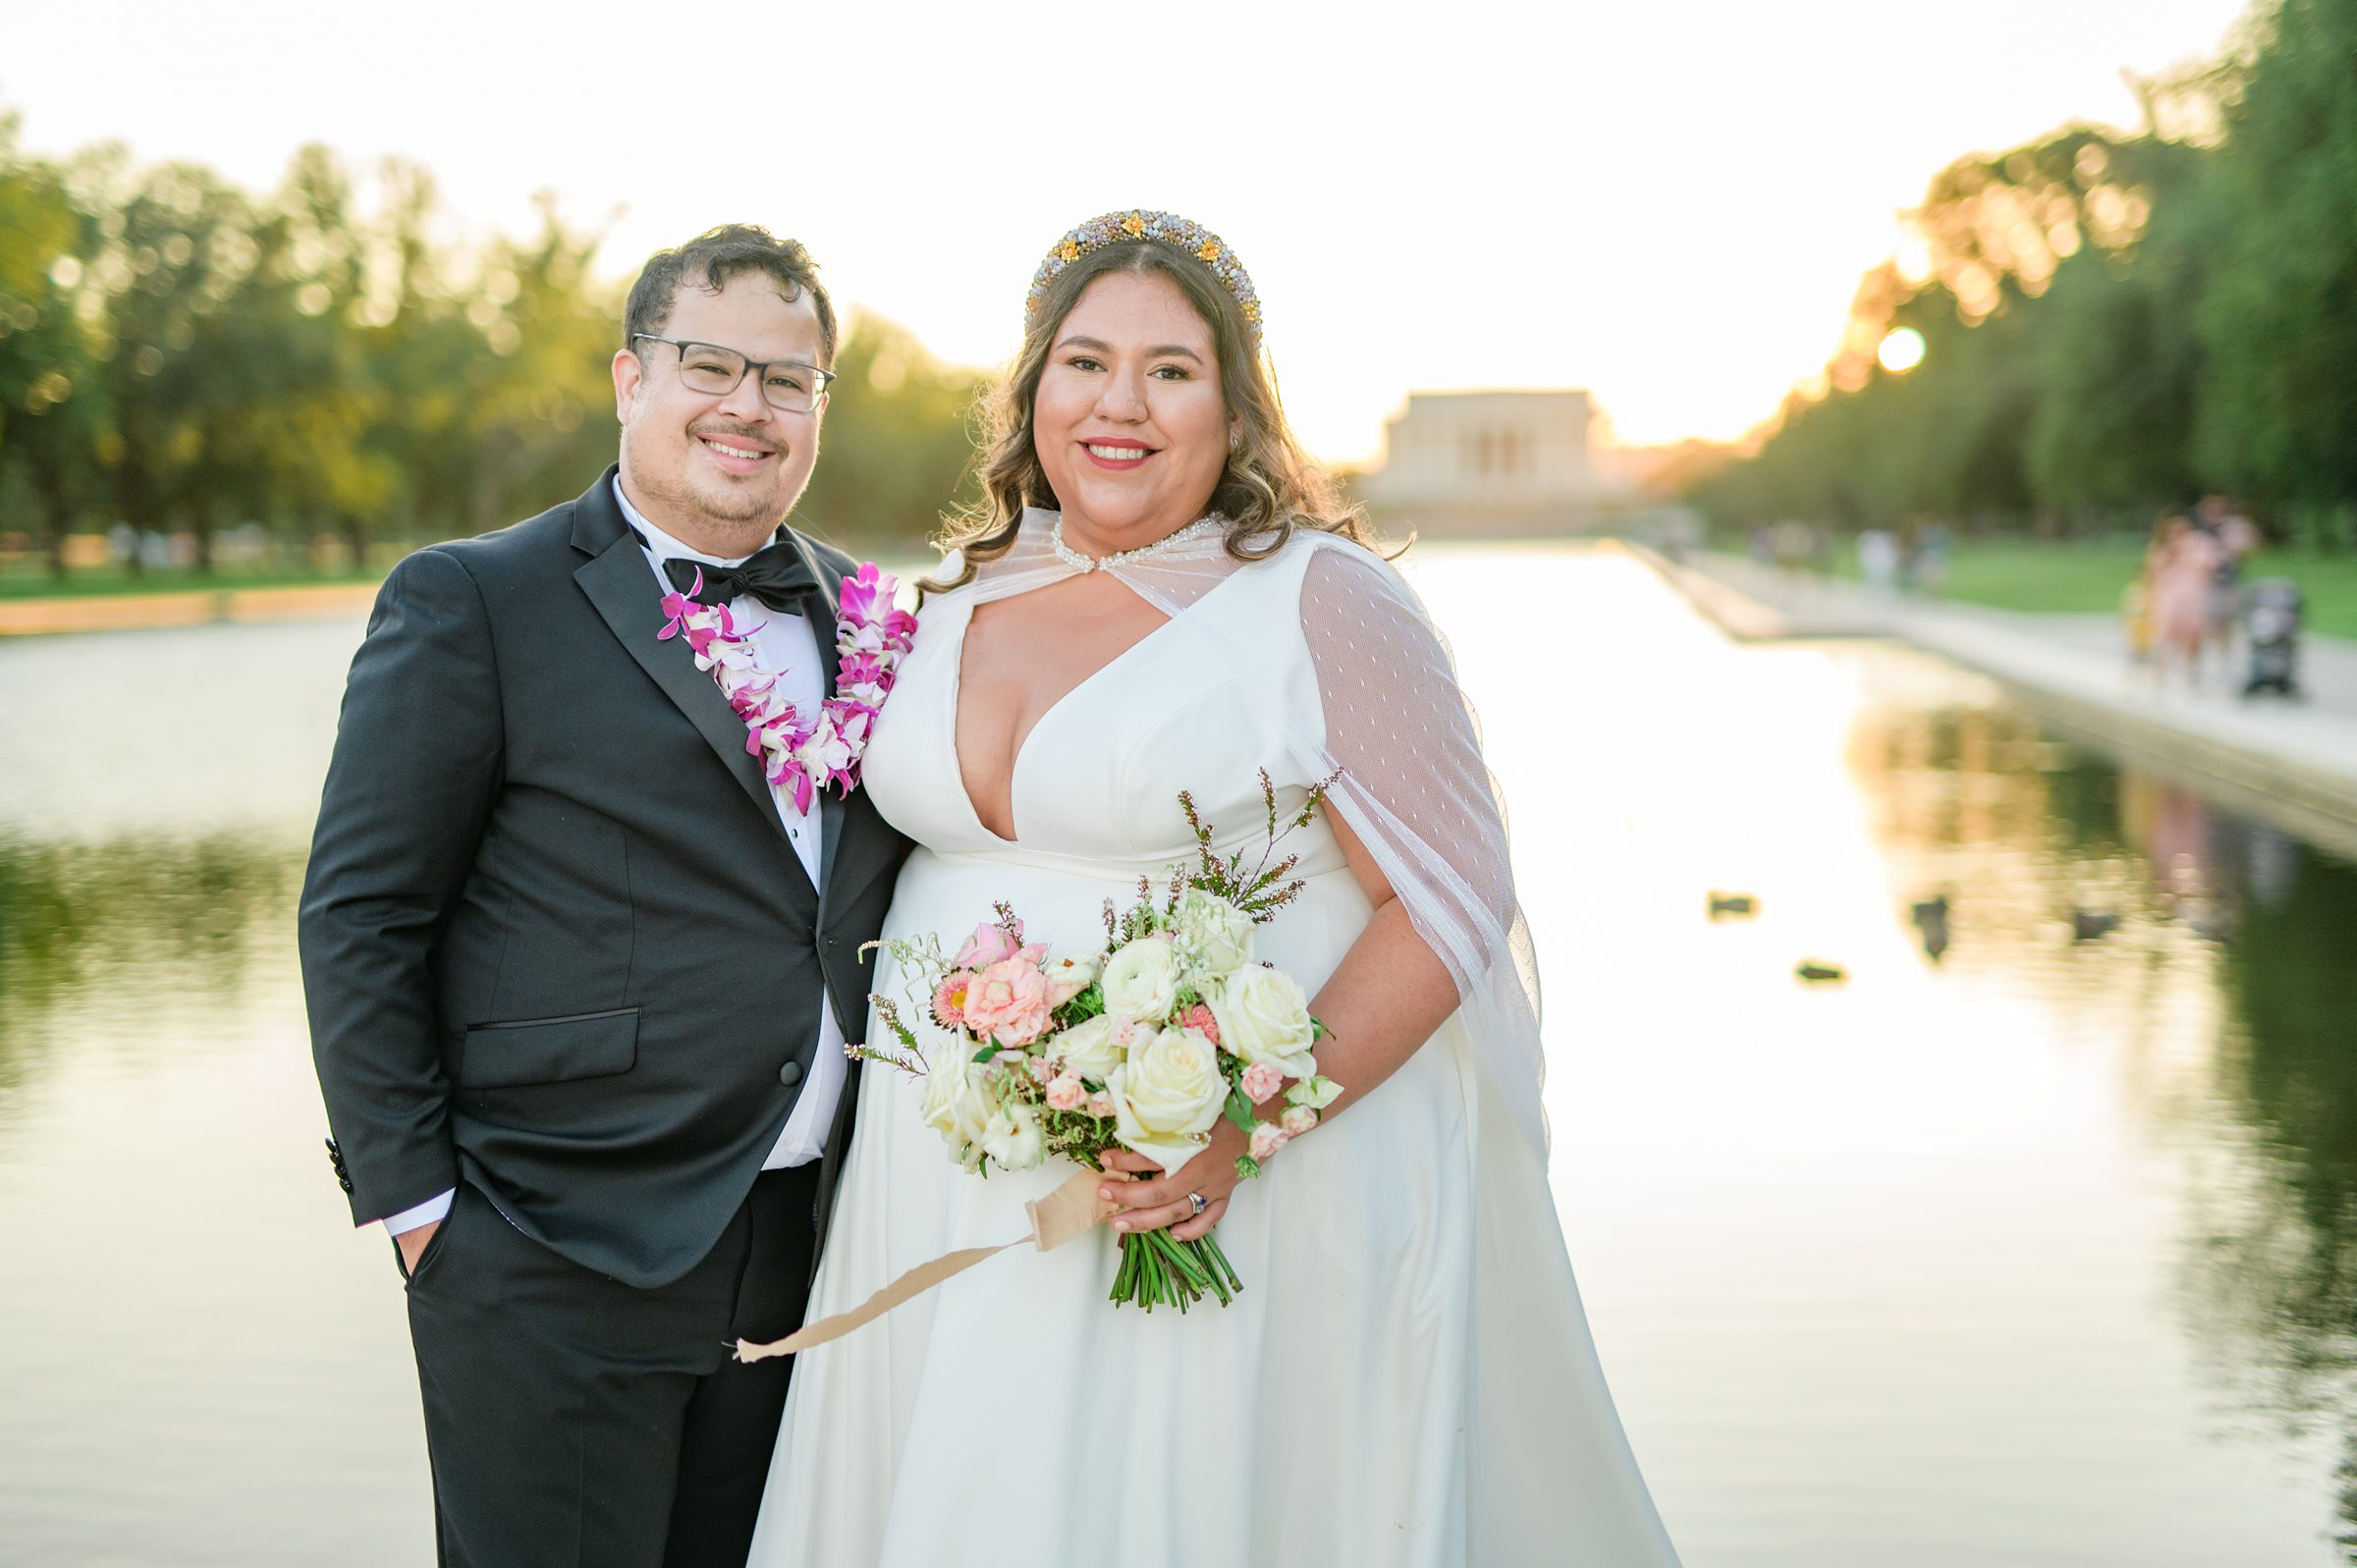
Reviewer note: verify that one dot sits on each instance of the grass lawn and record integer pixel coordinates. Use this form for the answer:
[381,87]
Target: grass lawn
[2087,577]
[31,580]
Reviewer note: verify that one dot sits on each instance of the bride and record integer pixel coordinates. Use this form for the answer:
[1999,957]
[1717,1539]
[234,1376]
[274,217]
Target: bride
[1160,594]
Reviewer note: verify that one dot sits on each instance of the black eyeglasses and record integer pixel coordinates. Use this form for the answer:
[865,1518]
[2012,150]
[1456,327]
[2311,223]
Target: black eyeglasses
[787,385]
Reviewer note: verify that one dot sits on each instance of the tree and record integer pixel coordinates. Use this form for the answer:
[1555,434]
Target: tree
[54,414]
[899,447]
[2277,411]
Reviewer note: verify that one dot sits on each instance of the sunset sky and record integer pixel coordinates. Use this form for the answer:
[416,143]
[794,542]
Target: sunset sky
[1666,203]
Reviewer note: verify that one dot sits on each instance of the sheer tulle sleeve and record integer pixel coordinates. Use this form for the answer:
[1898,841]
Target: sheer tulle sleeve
[1416,790]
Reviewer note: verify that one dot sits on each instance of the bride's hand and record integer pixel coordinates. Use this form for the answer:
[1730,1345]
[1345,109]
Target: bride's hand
[1151,1200]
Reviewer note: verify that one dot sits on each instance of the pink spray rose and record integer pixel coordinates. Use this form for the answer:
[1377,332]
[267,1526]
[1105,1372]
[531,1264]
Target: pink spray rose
[1267,1139]
[1099,1106]
[1199,1016]
[1008,1002]
[1261,1080]
[990,944]
[1067,1093]
[1298,1119]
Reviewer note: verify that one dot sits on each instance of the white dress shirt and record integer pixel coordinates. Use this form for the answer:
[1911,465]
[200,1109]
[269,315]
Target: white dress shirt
[785,645]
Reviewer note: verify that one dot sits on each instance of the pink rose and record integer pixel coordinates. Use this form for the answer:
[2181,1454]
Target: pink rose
[1039,1067]
[948,998]
[1267,1139]
[1298,1119]
[1008,1002]
[1099,1106]
[1261,1081]
[991,944]
[1199,1017]
[1067,1093]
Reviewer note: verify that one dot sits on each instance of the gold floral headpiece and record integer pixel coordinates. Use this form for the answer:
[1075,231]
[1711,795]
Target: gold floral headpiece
[1163,228]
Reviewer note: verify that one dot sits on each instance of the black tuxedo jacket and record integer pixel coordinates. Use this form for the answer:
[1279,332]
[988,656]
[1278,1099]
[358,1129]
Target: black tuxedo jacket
[554,937]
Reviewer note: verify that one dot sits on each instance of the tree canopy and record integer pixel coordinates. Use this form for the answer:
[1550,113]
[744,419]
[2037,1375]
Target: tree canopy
[325,360]
[2113,321]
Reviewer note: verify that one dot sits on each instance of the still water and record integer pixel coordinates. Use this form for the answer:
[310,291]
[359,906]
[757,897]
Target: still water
[2034,1250]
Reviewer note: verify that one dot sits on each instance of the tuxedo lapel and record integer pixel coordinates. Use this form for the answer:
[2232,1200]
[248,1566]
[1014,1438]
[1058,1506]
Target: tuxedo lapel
[623,590]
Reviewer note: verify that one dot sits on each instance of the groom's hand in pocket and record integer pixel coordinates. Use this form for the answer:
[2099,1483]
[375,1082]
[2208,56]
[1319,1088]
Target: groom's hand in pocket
[412,1244]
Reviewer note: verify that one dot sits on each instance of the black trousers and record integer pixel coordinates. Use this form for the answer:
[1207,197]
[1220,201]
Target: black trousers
[576,1420]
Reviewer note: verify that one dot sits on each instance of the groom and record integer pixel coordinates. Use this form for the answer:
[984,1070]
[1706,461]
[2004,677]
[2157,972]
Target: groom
[578,973]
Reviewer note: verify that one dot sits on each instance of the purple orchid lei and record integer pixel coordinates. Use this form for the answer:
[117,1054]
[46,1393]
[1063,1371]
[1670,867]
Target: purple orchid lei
[805,756]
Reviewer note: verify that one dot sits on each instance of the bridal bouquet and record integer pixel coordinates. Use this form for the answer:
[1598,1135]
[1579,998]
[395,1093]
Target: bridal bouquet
[1142,1043]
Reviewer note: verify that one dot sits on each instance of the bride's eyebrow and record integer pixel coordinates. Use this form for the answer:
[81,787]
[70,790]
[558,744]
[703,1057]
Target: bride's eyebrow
[1158,352]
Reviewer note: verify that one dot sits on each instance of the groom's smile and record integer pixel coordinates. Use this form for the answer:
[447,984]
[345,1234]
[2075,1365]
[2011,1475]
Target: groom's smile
[735,450]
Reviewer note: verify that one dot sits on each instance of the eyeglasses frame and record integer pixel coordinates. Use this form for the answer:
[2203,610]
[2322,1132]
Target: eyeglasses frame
[826,378]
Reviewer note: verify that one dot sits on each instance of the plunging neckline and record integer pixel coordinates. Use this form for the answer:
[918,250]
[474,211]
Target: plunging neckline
[1022,744]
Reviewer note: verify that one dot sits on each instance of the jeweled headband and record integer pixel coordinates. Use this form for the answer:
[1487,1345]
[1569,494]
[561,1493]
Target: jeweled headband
[1163,228]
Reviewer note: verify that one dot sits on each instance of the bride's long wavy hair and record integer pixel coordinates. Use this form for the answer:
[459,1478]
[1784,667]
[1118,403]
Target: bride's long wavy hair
[1269,487]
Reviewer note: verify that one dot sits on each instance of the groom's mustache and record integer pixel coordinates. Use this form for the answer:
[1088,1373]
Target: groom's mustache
[742,432]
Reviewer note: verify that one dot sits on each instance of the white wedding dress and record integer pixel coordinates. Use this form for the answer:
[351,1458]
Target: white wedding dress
[1407,1377]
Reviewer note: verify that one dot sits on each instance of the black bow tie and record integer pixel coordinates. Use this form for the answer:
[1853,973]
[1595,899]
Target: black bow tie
[776,575]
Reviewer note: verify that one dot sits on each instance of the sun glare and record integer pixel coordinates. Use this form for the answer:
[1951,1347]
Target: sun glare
[1901,351]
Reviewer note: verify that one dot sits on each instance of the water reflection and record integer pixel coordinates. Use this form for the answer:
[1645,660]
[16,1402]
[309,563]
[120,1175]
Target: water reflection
[2165,911]
[123,925]
[2028,1244]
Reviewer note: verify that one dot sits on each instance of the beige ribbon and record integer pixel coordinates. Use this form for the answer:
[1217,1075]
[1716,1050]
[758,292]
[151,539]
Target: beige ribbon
[1071,1210]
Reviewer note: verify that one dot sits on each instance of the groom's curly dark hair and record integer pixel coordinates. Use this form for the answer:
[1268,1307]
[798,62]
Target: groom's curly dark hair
[709,261]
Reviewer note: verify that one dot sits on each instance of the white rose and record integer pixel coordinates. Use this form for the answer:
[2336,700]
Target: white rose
[1167,1094]
[1215,936]
[1263,1016]
[1092,1048]
[1141,981]
[1069,977]
[1011,1138]
[955,1107]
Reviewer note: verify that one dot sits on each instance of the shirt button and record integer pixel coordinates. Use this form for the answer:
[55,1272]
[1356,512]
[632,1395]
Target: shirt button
[791,1074]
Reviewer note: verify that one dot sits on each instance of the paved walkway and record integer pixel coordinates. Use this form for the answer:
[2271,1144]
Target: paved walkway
[2075,668]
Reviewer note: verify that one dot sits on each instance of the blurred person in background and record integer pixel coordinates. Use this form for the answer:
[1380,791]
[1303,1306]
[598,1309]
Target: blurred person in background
[2236,537]
[2181,575]
[1877,560]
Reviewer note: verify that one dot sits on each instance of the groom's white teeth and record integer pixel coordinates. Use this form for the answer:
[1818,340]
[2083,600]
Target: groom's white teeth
[1116,454]
[734,452]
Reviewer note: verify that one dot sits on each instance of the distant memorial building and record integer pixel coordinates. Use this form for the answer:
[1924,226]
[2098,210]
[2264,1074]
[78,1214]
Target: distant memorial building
[1489,462]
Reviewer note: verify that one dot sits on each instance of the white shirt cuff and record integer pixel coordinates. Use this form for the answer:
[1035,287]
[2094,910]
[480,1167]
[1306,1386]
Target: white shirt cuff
[425,1213]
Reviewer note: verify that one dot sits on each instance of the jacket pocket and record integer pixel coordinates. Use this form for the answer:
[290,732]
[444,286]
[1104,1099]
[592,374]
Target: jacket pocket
[583,1045]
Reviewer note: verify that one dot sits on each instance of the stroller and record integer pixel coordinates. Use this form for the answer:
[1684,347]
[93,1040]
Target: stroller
[2272,613]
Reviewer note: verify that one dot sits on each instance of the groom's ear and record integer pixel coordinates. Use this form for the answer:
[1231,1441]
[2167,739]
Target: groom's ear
[627,370]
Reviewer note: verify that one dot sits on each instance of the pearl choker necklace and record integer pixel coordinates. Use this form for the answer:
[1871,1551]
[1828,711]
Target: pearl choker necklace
[1080,563]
